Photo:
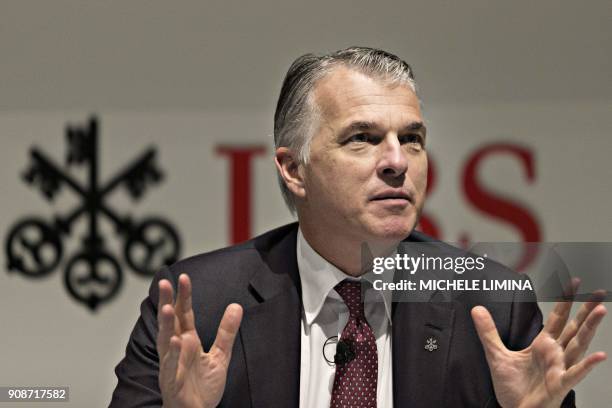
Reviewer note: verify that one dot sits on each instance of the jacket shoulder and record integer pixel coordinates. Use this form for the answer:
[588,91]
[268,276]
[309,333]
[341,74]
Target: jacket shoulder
[235,263]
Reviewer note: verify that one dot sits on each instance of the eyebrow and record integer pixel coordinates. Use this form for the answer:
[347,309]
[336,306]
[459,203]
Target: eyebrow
[415,126]
[361,125]
[366,125]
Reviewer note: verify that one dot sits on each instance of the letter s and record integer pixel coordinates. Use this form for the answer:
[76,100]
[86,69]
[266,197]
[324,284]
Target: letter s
[502,208]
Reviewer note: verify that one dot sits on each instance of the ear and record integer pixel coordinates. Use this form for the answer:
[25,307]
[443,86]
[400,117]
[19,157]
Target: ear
[289,169]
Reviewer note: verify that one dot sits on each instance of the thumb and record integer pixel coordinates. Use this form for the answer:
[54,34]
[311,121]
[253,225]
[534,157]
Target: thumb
[487,332]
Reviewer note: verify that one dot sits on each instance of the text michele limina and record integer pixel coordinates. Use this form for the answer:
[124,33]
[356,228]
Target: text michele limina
[455,285]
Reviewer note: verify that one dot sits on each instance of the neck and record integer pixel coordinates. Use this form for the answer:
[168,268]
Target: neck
[346,252]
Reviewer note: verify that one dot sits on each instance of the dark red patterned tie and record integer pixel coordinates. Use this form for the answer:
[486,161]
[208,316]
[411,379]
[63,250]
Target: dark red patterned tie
[355,381]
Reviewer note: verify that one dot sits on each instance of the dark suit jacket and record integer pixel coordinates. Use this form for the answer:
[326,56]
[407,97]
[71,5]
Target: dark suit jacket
[264,372]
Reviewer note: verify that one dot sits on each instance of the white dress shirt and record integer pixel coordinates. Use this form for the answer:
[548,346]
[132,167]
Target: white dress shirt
[324,316]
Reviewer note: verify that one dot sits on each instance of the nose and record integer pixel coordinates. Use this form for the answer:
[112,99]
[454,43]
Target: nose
[393,161]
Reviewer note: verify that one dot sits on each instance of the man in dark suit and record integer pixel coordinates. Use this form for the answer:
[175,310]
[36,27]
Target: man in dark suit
[350,152]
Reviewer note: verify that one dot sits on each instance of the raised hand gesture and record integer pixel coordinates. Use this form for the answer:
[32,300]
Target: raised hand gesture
[189,377]
[542,374]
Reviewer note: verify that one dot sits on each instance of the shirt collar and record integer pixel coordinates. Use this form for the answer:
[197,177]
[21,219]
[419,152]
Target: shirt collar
[318,278]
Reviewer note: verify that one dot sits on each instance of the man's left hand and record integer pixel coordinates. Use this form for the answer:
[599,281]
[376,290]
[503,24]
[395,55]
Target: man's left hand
[542,374]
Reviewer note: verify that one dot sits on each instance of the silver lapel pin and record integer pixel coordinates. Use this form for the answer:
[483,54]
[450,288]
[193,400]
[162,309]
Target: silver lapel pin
[431,344]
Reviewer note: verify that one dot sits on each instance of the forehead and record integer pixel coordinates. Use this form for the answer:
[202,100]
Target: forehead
[345,94]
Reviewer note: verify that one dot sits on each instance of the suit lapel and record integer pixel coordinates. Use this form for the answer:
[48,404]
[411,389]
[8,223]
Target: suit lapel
[422,331]
[270,332]
[418,373]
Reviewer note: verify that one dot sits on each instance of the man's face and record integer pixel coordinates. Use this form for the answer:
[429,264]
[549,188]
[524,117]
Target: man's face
[367,172]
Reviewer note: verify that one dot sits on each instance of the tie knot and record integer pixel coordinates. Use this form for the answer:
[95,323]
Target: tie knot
[350,292]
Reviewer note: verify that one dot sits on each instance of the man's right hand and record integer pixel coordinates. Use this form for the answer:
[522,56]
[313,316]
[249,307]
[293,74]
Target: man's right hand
[189,377]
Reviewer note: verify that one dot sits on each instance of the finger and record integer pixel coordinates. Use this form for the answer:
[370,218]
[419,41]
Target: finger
[577,372]
[574,325]
[557,319]
[598,296]
[571,288]
[487,332]
[548,355]
[228,328]
[166,297]
[165,323]
[184,311]
[191,349]
[580,343]
[169,364]
[166,294]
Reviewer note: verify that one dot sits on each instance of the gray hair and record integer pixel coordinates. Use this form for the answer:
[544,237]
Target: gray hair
[295,117]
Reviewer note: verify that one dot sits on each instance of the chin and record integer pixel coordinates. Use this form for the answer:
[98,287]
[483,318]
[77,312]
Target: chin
[394,229]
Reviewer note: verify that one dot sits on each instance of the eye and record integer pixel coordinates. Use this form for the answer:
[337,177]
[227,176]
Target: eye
[411,138]
[363,138]
[359,138]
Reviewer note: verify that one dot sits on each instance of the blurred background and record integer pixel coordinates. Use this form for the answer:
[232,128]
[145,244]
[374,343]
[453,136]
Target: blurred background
[164,110]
